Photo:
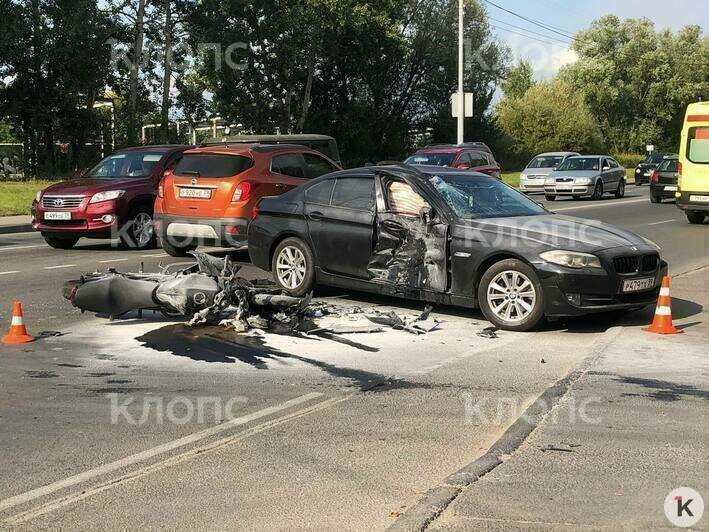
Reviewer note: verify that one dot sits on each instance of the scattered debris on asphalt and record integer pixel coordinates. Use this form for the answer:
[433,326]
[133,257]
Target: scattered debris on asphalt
[488,332]
[561,447]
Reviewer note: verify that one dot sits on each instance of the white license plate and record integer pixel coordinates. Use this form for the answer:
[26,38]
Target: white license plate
[202,193]
[671,188]
[647,174]
[638,285]
[55,215]
[700,199]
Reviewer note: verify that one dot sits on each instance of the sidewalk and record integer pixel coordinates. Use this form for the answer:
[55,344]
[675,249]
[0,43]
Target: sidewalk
[15,224]
[632,429]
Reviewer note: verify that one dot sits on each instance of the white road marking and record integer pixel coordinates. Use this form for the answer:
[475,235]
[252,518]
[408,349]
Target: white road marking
[663,222]
[55,504]
[12,248]
[8,273]
[610,203]
[156,256]
[150,453]
[112,260]
[58,267]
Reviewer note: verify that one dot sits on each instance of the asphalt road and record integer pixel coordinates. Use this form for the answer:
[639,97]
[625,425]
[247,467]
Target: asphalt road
[99,426]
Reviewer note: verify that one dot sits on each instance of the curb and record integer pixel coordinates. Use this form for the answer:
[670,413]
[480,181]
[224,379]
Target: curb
[10,229]
[419,516]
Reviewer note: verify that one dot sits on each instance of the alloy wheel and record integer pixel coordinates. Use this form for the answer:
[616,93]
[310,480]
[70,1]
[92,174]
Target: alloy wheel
[142,229]
[511,296]
[290,267]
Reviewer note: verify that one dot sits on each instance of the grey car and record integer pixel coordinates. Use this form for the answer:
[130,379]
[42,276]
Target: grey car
[586,176]
[534,175]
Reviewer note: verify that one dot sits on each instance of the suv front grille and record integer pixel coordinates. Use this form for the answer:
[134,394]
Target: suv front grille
[61,202]
[636,264]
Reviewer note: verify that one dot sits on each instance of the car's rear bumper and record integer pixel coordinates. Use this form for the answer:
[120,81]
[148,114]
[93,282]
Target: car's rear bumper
[183,230]
[577,293]
[686,203]
[660,190]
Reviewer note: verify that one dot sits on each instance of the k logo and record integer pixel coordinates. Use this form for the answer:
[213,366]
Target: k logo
[684,507]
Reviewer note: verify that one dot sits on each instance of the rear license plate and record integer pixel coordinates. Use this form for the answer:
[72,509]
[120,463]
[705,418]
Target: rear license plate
[701,199]
[638,285]
[54,215]
[202,193]
[671,188]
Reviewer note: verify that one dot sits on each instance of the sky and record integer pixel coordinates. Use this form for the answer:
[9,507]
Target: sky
[573,15]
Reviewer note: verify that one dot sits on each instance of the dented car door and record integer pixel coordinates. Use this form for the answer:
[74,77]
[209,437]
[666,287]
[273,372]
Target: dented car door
[411,240]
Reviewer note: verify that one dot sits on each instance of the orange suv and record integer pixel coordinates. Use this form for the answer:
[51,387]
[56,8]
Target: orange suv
[210,196]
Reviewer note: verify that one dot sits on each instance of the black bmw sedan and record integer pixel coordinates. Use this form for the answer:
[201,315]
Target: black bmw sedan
[450,237]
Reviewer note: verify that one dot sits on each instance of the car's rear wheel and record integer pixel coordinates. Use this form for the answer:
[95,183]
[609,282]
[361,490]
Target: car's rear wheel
[293,266]
[695,217]
[655,198]
[511,296]
[620,191]
[61,242]
[175,250]
[139,233]
[597,191]
[549,197]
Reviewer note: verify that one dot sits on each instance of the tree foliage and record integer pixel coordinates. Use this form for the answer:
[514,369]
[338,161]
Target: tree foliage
[519,80]
[550,116]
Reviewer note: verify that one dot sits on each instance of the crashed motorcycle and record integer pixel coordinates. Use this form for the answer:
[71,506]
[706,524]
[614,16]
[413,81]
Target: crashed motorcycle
[209,291]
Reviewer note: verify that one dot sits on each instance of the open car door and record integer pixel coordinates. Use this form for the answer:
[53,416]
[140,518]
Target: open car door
[411,240]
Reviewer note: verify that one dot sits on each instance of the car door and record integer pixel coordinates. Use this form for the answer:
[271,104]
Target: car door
[607,175]
[340,217]
[409,251]
[618,170]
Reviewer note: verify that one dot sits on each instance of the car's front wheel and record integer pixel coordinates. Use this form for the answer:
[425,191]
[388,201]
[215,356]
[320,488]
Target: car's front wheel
[510,296]
[61,242]
[597,191]
[139,233]
[620,191]
[549,197]
[293,266]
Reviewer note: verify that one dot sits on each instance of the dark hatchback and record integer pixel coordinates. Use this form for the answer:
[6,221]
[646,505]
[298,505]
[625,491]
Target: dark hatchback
[663,181]
[644,169]
[451,237]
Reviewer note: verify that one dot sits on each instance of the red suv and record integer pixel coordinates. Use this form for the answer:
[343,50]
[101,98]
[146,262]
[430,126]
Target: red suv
[210,197]
[478,160]
[113,199]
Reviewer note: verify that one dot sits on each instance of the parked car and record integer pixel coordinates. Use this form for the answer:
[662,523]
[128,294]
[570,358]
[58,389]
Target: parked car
[663,180]
[210,196]
[114,198]
[534,175]
[644,169]
[322,143]
[457,157]
[586,176]
[693,185]
[451,237]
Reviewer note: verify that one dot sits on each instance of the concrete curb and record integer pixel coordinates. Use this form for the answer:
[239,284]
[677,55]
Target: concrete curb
[419,516]
[10,229]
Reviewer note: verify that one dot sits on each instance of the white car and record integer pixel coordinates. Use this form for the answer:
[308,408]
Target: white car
[533,176]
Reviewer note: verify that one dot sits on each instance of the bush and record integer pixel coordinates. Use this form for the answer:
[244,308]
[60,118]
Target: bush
[628,160]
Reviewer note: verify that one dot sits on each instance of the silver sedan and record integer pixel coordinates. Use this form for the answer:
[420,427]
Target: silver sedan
[586,176]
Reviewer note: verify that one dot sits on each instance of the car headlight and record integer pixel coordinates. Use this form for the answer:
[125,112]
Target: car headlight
[571,259]
[653,244]
[38,197]
[107,196]
[637,170]
[583,181]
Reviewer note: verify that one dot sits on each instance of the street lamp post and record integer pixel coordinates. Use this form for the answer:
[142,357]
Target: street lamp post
[461,74]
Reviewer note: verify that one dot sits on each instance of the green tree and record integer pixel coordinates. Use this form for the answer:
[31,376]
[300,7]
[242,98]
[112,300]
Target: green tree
[550,116]
[637,81]
[519,80]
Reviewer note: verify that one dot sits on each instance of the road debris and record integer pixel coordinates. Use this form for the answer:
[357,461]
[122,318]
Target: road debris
[488,332]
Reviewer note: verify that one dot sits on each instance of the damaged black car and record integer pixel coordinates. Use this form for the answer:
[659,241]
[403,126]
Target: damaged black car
[450,237]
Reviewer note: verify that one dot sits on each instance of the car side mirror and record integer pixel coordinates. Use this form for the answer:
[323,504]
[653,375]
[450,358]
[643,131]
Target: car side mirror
[83,172]
[426,214]
[606,167]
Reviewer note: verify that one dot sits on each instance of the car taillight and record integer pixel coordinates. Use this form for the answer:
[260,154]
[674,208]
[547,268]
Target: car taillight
[243,191]
[679,168]
[161,191]
[654,177]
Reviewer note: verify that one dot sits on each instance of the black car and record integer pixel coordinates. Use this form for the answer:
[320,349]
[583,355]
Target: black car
[450,237]
[644,169]
[663,181]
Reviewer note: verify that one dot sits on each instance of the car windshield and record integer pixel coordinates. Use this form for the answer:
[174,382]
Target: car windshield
[655,158]
[431,159]
[483,197]
[580,163]
[545,161]
[668,165]
[128,164]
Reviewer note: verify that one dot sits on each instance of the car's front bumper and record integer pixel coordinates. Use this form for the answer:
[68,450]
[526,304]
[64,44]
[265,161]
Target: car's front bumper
[98,220]
[571,189]
[531,186]
[686,203]
[185,230]
[575,293]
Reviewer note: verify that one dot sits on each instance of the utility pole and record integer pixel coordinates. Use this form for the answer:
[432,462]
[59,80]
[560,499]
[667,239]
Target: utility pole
[461,74]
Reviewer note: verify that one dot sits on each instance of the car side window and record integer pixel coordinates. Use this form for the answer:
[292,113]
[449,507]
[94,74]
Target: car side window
[316,166]
[463,159]
[606,164]
[290,164]
[613,163]
[402,199]
[478,159]
[320,193]
[354,193]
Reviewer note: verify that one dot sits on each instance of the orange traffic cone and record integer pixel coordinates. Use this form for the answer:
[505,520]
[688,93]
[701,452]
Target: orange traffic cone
[662,322]
[17,333]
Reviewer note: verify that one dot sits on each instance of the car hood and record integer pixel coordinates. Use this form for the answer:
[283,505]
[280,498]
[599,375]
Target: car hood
[86,186]
[552,231]
[574,173]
